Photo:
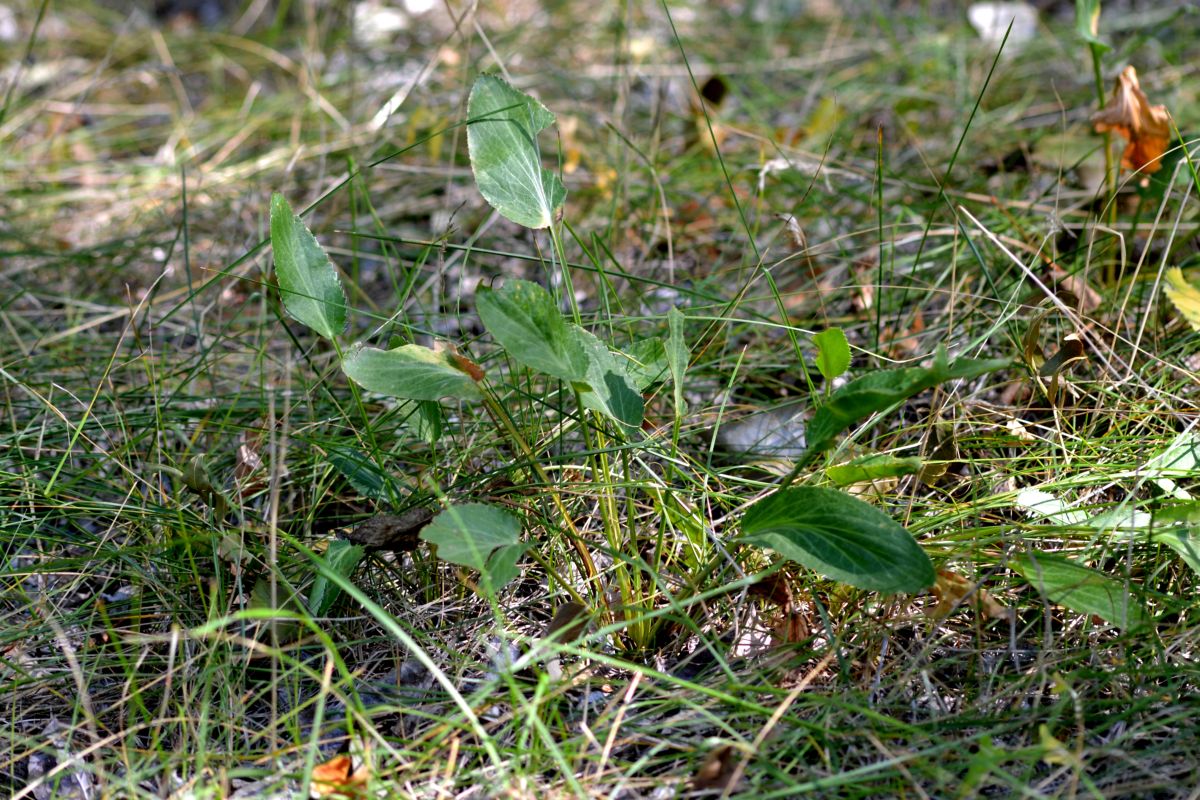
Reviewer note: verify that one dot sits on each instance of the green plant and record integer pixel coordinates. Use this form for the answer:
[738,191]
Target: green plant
[826,530]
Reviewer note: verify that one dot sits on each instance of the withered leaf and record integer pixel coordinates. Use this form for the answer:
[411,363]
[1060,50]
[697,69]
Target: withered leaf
[714,90]
[1082,294]
[395,532]
[790,625]
[1146,128]
[569,622]
[338,777]
[718,770]
[951,589]
[938,461]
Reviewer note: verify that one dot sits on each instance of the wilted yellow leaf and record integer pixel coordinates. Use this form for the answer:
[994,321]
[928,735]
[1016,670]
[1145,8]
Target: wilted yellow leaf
[1184,296]
[1147,128]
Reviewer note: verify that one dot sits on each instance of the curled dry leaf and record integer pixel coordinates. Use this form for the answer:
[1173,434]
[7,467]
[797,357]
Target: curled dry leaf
[790,625]
[569,622]
[1146,128]
[951,589]
[338,777]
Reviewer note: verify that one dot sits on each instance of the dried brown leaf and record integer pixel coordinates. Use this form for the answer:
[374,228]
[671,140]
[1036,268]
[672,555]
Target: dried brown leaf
[569,622]
[789,625]
[338,777]
[395,532]
[718,770]
[951,589]
[1088,298]
[1129,114]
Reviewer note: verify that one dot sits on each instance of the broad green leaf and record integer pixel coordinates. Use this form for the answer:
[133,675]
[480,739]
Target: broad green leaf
[677,356]
[341,557]
[308,282]
[1185,541]
[1087,24]
[506,160]
[872,467]
[609,388]
[525,321]
[502,564]
[360,471]
[833,352]
[411,372]
[647,362]
[840,537]
[880,391]
[1081,589]
[468,534]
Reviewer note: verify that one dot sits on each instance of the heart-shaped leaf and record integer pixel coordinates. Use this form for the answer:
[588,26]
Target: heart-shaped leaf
[1082,589]
[470,533]
[506,160]
[308,281]
[411,372]
[840,537]
[525,321]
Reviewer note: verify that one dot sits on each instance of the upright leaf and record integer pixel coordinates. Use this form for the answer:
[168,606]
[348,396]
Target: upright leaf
[1082,589]
[647,361]
[506,160]
[308,282]
[427,421]
[833,352]
[341,557]
[360,471]
[525,321]
[840,537]
[1087,24]
[1184,296]
[677,356]
[1185,542]
[609,388]
[411,372]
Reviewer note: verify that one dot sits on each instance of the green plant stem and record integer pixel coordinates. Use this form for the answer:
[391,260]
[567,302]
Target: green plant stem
[497,412]
[1110,174]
